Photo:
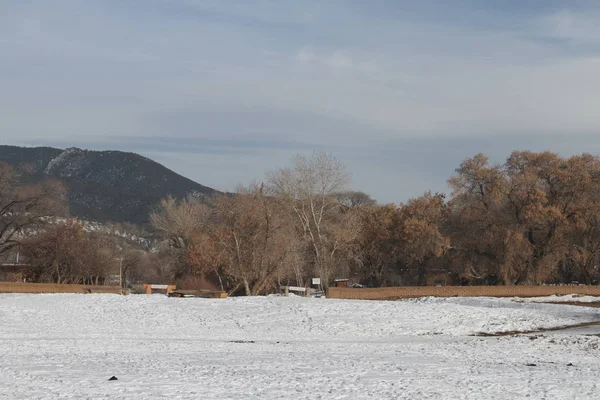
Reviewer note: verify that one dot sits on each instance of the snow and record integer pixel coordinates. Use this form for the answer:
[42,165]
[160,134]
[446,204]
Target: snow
[69,161]
[67,346]
[571,298]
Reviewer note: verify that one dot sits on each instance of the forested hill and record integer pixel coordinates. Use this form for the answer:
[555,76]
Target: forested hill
[103,185]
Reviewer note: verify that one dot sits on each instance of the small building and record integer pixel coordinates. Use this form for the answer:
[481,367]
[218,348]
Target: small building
[341,282]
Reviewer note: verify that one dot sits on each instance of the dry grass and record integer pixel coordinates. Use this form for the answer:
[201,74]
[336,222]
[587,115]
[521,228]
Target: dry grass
[407,292]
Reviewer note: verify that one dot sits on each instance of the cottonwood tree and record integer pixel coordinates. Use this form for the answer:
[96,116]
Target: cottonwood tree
[345,232]
[531,217]
[243,240]
[177,220]
[206,257]
[309,188]
[396,241]
[578,199]
[180,223]
[547,195]
[475,222]
[66,253]
[418,232]
[25,207]
[533,210]
[378,245]
[253,232]
[584,254]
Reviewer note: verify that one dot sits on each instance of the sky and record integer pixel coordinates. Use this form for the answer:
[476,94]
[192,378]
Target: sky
[222,91]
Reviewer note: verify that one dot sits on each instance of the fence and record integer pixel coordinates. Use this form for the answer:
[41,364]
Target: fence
[18,287]
[407,292]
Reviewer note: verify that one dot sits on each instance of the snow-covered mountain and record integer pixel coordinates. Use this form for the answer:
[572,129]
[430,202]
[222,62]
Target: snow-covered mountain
[103,185]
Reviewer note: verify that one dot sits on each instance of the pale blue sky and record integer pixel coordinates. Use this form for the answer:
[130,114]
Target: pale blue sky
[221,91]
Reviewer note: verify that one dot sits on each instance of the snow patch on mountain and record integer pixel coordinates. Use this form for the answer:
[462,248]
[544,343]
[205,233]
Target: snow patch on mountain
[67,163]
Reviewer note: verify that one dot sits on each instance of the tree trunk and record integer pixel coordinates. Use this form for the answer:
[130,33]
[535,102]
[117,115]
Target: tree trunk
[247,287]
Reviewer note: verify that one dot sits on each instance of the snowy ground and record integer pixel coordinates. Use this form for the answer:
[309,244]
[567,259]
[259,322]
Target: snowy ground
[67,346]
[569,298]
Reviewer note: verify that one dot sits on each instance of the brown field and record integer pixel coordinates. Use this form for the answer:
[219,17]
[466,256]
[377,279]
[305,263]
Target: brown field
[17,287]
[408,292]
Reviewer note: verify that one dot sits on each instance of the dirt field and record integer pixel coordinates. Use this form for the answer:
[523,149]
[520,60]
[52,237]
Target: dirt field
[407,292]
[16,287]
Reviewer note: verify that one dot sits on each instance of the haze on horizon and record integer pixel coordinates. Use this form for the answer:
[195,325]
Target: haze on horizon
[222,91]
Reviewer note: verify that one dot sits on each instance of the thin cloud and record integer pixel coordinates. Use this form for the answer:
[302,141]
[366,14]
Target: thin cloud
[305,55]
[339,60]
[579,27]
[350,76]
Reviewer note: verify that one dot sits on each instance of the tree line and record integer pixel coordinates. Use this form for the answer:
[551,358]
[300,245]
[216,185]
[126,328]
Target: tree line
[531,220]
[534,219]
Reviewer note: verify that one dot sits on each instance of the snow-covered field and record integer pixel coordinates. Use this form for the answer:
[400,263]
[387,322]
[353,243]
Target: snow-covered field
[67,346]
[569,298]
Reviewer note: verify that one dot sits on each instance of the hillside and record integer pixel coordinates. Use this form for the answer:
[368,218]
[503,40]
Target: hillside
[103,185]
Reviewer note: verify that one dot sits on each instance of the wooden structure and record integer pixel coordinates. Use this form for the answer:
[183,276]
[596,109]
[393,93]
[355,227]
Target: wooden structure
[342,282]
[298,289]
[151,288]
[407,292]
[208,294]
[19,287]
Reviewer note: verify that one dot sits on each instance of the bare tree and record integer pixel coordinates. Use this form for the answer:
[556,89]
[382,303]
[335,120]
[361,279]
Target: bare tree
[177,220]
[378,244]
[419,237]
[25,207]
[353,199]
[309,188]
[66,253]
[255,237]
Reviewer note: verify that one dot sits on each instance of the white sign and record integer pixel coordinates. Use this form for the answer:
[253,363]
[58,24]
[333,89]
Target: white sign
[316,281]
[296,289]
[159,286]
